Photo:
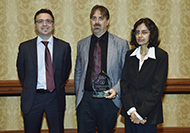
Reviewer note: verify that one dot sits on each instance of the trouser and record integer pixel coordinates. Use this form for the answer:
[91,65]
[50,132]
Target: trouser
[95,112]
[47,103]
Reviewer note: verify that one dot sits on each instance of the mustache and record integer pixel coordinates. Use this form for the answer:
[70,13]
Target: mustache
[97,24]
[44,26]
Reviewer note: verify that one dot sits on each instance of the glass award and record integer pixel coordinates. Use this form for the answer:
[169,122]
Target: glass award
[101,83]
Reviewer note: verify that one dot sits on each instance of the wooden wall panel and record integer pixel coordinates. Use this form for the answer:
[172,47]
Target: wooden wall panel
[121,130]
[13,87]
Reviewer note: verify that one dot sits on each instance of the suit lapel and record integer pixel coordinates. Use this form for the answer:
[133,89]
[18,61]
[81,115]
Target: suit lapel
[111,51]
[86,51]
[55,52]
[134,62]
[136,65]
[33,49]
[146,64]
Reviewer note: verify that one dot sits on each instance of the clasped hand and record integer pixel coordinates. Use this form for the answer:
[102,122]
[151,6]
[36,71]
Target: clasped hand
[136,120]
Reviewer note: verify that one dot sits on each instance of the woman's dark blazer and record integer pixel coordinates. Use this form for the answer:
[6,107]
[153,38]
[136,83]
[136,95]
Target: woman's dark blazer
[146,86]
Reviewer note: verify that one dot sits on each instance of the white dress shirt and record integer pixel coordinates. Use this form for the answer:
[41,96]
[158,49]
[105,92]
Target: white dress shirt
[41,79]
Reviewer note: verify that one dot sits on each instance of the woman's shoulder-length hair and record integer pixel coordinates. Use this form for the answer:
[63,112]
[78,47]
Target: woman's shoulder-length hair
[154,32]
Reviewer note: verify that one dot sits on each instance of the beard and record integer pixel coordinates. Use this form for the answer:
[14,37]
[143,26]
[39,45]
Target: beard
[97,29]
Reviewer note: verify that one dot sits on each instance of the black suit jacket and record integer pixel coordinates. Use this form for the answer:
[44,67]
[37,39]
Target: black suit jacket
[27,70]
[146,85]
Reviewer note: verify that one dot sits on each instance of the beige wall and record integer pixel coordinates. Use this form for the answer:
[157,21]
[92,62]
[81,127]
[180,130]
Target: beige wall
[72,24]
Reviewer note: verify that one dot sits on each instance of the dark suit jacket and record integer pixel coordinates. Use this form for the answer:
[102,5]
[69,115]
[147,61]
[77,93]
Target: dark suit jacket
[27,71]
[146,85]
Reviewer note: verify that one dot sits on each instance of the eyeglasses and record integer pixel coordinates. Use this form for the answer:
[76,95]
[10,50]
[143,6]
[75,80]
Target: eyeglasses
[41,21]
[143,32]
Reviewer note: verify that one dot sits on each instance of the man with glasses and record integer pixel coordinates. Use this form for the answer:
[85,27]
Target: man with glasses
[43,66]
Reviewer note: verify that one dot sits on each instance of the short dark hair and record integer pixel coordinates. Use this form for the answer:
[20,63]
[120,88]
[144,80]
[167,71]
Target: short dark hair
[43,11]
[154,32]
[104,11]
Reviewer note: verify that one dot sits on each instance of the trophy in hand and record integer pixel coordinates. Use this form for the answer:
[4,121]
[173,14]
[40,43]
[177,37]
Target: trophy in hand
[101,83]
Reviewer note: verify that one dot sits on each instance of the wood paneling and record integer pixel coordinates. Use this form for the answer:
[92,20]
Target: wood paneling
[122,130]
[177,86]
[14,87]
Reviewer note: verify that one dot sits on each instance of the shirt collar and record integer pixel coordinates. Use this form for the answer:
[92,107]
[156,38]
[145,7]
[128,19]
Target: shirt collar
[102,38]
[150,54]
[50,40]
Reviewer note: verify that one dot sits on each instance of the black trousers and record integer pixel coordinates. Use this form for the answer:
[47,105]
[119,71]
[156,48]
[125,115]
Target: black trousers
[139,128]
[44,103]
[93,112]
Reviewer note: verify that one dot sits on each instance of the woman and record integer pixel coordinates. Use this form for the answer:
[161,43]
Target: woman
[143,79]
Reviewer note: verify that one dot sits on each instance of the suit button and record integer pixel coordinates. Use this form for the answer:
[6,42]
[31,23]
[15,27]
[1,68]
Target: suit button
[82,90]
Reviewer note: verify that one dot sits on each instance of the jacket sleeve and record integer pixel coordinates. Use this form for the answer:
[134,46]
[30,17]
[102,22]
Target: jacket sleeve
[124,49]
[68,62]
[77,72]
[126,98]
[20,64]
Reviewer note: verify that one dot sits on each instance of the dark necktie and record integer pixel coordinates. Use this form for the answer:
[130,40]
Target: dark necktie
[96,65]
[49,69]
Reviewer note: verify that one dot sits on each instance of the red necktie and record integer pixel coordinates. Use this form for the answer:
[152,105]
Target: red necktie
[49,69]
[96,66]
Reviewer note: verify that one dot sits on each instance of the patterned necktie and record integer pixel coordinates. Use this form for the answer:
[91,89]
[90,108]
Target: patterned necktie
[96,65]
[49,69]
